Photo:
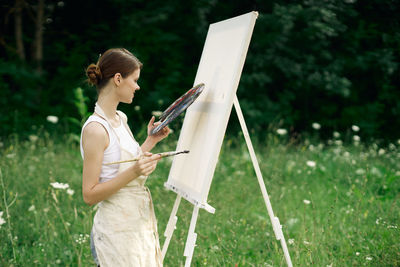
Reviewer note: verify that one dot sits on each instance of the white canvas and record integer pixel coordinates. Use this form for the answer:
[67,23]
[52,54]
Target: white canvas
[206,120]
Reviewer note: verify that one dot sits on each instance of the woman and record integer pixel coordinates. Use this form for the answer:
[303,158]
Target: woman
[124,229]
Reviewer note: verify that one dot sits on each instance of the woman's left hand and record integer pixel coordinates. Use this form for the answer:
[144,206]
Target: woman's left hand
[164,132]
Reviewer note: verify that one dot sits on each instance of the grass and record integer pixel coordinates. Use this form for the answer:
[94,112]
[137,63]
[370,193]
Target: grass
[343,212]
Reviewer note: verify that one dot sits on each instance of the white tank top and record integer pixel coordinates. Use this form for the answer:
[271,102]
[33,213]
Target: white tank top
[117,137]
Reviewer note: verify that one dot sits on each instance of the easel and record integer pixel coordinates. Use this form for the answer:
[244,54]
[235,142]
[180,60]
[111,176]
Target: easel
[192,236]
[212,50]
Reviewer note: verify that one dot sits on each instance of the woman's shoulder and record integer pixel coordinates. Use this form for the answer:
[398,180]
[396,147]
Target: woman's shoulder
[95,126]
[96,133]
[95,129]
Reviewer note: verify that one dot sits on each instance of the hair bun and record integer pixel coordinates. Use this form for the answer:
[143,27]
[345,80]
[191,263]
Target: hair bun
[94,74]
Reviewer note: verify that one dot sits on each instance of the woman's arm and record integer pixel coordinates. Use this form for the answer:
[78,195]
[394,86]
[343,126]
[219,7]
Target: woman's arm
[152,140]
[94,142]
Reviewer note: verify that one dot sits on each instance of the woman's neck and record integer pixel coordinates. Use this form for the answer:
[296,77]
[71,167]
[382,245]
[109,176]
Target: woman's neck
[109,105]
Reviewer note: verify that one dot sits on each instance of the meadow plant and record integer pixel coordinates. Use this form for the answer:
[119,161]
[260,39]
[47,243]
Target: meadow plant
[338,204]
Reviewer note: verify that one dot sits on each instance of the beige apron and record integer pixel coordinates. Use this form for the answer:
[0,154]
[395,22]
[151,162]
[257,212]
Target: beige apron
[125,227]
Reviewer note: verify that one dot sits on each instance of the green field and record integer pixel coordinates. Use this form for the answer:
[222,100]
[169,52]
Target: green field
[344,211]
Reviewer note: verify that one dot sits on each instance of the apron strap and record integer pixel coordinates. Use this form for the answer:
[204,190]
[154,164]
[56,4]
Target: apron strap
[124,121]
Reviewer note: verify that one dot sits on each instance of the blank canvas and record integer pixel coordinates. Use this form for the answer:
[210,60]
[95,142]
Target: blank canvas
[206,119]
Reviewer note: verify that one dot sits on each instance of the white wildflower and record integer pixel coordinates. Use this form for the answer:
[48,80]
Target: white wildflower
[377,220]
[292,221]
[70,192]
[10,156]
[52,119]
[357,253]
[349,211]
[316,126]
[355,128]
[2,221]
[392,147]
[337,151]
[136,108]
[346,154]
[311,148]
[398,142]
[58,185]
[306,242]
[215,247]
[31,208]
[291,241]
[33,138]
[307,202]
[360,171]
[281,131]
[81,238]
[156,113]
[392,226]
[329,265]
[356,138]
[376,171]
[336,134]
[290,165]
[368,258]
[311,164]
[381,151]
[338,142]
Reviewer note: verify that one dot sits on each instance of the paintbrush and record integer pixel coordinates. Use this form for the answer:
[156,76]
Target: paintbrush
[162,154]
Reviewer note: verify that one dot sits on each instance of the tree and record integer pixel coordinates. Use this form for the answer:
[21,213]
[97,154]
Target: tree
[19,30]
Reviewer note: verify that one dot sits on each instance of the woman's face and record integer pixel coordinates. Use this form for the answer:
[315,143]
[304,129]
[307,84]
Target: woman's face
[128,86]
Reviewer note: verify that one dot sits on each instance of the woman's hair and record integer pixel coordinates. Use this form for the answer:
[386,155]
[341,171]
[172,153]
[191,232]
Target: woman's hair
[114,60]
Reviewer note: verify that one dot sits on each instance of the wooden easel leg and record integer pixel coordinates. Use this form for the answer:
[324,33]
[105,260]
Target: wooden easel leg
[274,220]
[170,226]
[191,239]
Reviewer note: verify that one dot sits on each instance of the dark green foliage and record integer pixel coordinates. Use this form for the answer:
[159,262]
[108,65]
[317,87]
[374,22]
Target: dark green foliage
[332,62]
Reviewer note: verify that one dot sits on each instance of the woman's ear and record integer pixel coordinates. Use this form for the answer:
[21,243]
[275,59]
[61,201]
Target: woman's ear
[117,79]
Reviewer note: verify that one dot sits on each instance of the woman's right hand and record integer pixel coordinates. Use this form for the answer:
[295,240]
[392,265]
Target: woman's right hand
[146,165]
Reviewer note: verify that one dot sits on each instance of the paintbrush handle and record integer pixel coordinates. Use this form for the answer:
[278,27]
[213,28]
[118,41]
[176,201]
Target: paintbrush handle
[123,161]
[163,155]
